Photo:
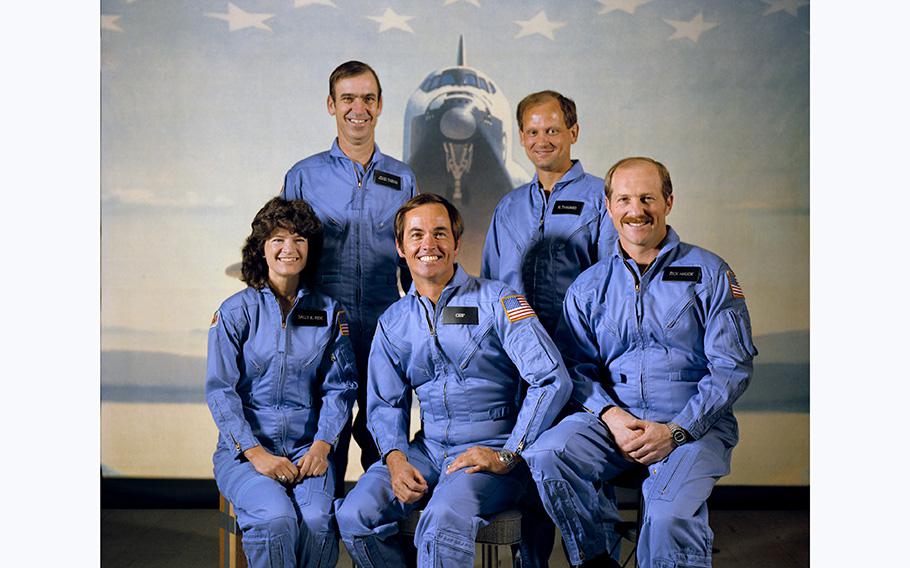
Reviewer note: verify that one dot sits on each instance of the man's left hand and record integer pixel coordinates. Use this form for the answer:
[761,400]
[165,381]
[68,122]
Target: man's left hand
[478,458]
[654,444]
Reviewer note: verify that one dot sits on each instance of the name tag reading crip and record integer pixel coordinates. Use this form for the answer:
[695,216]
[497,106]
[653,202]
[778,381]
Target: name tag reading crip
[466,315]
[568,207]
[312,318]
[682,273]
[387,179]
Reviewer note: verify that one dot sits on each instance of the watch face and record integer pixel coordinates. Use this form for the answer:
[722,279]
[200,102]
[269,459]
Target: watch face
[679,437]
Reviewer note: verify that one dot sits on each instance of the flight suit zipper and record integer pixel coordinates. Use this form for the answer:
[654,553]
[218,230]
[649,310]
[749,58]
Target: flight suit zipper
[521,442]
[284,339]
[639,313]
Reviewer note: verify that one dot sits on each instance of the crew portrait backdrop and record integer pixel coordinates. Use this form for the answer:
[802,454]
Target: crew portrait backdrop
[206,104]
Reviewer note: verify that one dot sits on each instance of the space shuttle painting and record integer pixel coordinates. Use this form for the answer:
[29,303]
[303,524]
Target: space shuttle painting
[458,141]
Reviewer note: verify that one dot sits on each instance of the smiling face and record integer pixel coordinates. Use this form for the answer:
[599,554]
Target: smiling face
[428,246]
[639,210]
[546,139]
[285,255]
[356,107]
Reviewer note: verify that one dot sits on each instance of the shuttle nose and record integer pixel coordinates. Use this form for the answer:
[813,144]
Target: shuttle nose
[458,123]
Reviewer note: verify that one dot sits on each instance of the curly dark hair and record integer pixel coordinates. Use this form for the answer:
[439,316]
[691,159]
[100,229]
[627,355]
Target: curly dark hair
[278,213]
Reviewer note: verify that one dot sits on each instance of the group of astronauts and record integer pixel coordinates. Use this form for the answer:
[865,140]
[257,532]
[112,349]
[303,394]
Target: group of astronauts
[594,345]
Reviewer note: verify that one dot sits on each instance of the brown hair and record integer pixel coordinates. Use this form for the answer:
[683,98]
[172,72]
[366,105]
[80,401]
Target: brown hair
[427,199]
[294,216]
[352,69]
[569,114]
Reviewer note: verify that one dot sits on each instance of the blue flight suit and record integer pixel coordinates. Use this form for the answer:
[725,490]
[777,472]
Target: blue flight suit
[673,344]
[358,263]
[465,358]
[539,245]
[282,387]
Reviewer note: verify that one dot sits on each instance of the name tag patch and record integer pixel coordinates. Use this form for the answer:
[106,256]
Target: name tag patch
[387,179]
[311,318]
[464,315]
[682,273]
[568,207]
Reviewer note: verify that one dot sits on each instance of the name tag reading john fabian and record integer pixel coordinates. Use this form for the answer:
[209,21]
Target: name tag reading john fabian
[466,315]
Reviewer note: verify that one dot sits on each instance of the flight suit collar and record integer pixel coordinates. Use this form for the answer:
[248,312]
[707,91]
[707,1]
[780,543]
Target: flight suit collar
[458,279]
[670,242]
[302,291]
[575,172]
[337,152]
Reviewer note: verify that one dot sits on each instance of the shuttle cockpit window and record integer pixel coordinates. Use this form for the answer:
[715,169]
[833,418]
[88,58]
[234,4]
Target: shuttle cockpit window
[459,77]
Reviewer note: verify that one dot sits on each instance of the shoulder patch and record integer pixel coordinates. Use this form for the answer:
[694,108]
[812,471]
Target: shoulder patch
[735,288]
[517,308]
[214,319]
[341,319]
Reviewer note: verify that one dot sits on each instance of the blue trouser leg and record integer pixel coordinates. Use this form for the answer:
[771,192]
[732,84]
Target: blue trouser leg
[448,526]
[281,527]
[264,511]
[318,542]
[569,459]
[368,516]
[675,532]
[567,463]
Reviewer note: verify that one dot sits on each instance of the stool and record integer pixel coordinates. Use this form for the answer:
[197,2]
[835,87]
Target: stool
[230,548]
[504,530]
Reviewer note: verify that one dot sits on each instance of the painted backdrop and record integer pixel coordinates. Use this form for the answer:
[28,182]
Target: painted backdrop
[206,104]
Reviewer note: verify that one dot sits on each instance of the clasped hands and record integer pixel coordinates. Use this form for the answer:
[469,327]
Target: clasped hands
[313,463]
[409,485]
[640,441]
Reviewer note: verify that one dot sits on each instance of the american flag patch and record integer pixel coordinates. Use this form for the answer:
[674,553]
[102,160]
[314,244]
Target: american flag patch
[517,308]
[735,289]
[343,323]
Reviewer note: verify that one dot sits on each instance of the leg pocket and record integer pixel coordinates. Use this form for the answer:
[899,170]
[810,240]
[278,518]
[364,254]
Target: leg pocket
[672,473]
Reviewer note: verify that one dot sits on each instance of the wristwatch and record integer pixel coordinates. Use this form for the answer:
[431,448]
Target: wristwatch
[507,458]
[680,436]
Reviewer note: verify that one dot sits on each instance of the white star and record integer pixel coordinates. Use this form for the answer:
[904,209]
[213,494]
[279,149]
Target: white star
[789,6]
[474,2]
[238,19]
[627,6]
[691,29]
[390,20]
[110,23]
[300,3]
[539,24]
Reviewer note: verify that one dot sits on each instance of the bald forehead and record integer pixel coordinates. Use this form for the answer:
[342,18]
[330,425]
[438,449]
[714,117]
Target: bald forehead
[639,166]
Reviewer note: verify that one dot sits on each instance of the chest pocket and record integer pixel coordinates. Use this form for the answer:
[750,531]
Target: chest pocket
[304,366]
[334,231]
[475,340]
[683,318]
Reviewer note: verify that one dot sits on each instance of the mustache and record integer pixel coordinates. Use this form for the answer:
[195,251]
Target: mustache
[641,219]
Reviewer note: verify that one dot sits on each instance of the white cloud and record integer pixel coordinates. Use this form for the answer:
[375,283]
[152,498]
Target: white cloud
[144,198]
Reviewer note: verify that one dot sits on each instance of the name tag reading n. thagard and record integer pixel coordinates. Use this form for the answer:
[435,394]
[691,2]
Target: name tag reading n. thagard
[568,207]
[682,273]
[387,179]
[313,318]
[464,315]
